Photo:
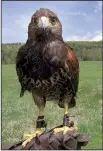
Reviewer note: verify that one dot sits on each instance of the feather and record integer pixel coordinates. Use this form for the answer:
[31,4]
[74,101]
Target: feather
[45,64]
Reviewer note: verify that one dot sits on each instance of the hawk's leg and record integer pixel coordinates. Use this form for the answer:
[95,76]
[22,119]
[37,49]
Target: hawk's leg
[40,124]
[67,124]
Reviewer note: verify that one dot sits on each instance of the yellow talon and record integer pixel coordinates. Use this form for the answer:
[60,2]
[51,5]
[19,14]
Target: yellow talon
[65,129]
[29,137]
[25,136]
[70,129]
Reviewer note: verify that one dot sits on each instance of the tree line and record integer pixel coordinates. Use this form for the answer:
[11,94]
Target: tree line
[85,51]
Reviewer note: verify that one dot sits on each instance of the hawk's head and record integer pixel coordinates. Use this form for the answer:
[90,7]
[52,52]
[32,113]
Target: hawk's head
[44,22]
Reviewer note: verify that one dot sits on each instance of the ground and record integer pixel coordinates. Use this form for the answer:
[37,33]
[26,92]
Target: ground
[19,114]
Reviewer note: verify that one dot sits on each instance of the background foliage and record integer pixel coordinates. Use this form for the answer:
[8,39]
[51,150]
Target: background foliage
[84,50]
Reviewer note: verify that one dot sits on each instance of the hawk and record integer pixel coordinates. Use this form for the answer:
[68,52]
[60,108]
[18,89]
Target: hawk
[48,68]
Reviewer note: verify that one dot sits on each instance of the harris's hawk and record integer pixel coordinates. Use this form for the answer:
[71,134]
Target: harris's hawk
[48,68]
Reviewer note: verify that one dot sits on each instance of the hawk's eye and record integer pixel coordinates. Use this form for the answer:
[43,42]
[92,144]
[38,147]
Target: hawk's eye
[53,20]
[35,20]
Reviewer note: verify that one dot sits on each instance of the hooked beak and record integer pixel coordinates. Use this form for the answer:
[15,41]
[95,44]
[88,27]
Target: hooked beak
[43,22]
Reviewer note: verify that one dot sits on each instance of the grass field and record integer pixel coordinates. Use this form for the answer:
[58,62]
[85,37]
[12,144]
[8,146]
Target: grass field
[19,114]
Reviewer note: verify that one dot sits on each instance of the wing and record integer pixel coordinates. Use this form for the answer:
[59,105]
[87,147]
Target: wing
[73,65]
[21,68]
[59,52]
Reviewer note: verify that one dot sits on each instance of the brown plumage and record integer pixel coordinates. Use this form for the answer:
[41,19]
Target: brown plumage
[46,65]
[34,31]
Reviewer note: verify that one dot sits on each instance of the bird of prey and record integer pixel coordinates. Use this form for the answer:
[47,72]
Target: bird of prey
[48,68]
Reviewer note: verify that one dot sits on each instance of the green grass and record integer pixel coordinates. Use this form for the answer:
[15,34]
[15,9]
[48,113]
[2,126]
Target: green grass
[19,114]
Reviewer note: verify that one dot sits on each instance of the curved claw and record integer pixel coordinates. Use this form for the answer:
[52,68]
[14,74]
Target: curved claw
[66,129]
[29,137]
[70,129]
[25,136]
[28,140]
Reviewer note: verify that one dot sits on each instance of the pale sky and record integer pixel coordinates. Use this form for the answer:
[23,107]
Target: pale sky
[81,21]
